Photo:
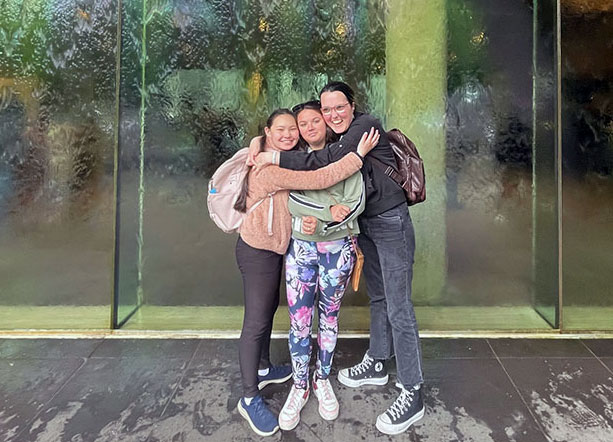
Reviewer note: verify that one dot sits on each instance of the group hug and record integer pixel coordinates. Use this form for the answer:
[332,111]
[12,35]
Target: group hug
[314,193]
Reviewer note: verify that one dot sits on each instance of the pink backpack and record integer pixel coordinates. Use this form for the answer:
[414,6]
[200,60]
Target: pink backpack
[224,189]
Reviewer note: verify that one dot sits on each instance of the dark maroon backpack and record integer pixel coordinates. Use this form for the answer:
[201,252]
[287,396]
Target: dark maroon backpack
[409,173]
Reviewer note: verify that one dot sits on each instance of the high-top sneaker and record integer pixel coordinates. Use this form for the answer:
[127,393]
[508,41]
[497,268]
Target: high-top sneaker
[407,409]
[328,404]
[290,413]
[367,372]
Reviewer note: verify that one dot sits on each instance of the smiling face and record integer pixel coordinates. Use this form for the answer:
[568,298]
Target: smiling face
[282,133]
[312,128]
[337,111]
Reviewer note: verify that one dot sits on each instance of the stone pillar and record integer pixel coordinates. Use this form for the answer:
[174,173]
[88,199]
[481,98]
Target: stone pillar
[416,65]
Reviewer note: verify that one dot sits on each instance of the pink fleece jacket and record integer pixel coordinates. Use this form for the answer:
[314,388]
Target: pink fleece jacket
[274,236]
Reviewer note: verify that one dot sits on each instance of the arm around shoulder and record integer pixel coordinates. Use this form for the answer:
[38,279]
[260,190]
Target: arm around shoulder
[312,179]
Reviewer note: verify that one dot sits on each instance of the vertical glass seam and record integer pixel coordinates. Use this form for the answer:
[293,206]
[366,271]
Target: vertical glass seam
[558,151]
[534,132]
[141,178]
[116,179]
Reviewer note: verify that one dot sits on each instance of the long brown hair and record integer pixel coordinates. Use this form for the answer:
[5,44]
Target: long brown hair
[241,202]
[315,105]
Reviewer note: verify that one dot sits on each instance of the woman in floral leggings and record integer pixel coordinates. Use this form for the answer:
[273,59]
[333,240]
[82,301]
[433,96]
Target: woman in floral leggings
[320,260]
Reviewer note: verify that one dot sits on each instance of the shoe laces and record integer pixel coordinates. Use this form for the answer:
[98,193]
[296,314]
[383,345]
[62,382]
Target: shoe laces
[295,397]
[401,404]
[325,388]
[362,366]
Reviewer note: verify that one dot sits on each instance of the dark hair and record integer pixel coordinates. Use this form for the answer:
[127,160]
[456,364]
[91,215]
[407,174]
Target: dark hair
[241,201]
[339,86]
[311,104]
[331,137]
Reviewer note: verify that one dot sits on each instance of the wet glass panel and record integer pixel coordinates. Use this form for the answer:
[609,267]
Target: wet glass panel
[57,89]
[587,115]
[199,78]
[212,72]
[501,193]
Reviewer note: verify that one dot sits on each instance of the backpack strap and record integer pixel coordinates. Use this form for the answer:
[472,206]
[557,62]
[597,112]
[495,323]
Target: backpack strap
[389,171]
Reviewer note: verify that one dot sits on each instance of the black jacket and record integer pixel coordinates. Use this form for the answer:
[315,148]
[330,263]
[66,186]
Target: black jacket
[382,193]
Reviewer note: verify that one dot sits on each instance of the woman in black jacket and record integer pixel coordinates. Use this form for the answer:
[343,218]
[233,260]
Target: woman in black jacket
[387,240]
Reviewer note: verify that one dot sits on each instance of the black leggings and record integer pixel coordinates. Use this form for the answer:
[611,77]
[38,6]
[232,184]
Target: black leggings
[261,271]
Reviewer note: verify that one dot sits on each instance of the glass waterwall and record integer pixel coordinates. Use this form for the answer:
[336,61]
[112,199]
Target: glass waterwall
[115,114]
[212,72]
[57,141]
[587,165]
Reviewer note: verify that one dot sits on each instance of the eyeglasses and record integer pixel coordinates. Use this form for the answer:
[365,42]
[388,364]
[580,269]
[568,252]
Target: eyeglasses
[340,109]
[312,104]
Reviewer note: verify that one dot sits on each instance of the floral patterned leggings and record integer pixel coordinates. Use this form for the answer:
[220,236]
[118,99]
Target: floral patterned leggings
[313,268]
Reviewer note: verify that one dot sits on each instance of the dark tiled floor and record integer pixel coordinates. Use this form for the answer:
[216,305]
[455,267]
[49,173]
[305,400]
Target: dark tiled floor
[600,347]
[136,348]
[186,390]
[47,348]
[608,362]
[456,348]
[529,348]
[572,399]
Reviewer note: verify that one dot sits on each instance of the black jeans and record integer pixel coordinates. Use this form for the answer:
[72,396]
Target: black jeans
[388,243]
[261,271]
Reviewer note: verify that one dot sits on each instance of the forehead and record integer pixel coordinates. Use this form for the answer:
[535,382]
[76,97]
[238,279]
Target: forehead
[284,120]
[332,98]
[308,114]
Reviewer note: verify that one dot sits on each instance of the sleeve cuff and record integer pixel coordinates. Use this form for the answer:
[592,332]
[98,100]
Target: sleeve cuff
[281,162]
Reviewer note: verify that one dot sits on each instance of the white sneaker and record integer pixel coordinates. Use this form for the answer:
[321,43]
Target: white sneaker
[290,413]
[328,404]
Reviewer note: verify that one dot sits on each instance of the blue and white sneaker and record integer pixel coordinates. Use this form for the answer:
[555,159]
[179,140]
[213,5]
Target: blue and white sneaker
[277,374]
[260,418]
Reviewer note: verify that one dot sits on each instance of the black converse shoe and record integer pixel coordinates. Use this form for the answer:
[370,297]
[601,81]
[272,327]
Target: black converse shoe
[407,409]
[367,372]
